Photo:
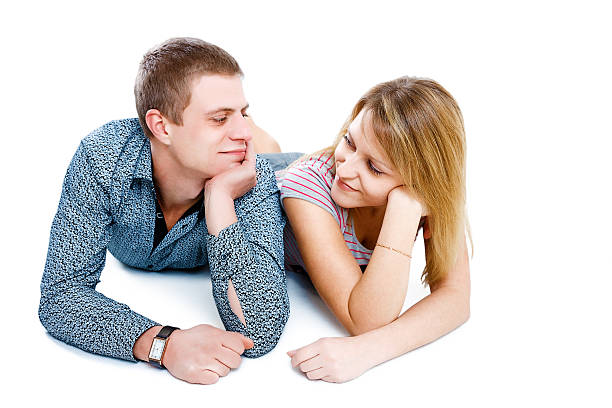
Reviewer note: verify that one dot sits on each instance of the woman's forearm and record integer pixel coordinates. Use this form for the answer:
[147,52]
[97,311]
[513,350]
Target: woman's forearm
[385,280]
[434,316]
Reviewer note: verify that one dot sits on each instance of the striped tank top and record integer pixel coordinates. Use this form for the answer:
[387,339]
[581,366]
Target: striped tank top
[311,180]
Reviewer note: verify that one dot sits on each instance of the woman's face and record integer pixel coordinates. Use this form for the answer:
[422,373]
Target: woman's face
[364,174]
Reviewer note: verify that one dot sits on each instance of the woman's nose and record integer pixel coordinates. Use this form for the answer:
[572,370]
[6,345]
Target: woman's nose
[345,168]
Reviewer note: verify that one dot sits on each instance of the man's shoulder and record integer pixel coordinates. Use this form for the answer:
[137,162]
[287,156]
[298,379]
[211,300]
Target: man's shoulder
[112,147]
[111,136]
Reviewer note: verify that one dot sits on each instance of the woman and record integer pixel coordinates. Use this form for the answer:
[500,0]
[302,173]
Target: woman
[355,208]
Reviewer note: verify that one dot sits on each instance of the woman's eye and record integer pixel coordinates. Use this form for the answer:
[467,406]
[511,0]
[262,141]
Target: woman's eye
[347,140]
[374,169]
[245,115]
[220,120]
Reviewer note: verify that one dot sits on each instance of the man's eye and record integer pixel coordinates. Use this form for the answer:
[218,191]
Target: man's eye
[221,119]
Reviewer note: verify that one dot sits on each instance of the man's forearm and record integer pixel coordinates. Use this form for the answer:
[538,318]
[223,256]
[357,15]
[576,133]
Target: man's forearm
[87,319]
[219,210]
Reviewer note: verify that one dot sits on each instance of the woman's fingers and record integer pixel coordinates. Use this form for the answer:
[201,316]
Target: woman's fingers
[317,374]
[300,355]
[311,364]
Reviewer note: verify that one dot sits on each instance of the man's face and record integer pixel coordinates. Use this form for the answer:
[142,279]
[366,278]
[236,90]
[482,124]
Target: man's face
[214,133]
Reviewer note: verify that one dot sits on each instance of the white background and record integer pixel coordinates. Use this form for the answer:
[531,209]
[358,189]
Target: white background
[533,81]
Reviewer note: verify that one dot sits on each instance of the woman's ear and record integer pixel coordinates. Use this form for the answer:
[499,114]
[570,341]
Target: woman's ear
[426,231]
[155,123]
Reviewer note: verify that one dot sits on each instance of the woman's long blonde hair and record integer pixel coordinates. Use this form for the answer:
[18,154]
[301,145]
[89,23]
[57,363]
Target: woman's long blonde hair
[420,127]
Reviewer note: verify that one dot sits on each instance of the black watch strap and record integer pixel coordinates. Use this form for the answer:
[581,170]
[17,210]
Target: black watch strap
[164,333]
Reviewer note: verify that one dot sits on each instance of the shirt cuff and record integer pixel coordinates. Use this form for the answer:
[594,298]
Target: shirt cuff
[129,334]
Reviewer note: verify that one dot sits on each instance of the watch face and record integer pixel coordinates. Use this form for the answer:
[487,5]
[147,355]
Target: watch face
[157,349]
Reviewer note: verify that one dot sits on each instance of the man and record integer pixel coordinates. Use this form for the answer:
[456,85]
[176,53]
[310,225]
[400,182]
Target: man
[178,188]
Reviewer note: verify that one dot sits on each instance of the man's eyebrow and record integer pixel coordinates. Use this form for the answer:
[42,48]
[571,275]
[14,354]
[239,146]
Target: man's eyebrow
[225,109]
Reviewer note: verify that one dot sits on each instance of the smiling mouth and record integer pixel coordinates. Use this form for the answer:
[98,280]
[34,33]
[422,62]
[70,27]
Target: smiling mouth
[343,185]
[239,151]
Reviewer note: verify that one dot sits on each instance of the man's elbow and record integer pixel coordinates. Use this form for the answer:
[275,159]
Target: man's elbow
[266,329]
[264,339]
[45,314]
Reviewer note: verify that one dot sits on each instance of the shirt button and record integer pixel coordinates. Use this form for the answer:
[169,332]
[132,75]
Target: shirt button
[150,266]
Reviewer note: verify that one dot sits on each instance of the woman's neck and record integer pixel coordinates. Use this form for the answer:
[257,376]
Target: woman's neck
[367,222]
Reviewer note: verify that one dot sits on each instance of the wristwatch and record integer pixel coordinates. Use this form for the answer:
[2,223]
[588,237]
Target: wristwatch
[158,347]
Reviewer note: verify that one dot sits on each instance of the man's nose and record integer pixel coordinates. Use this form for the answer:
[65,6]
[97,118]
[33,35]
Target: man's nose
[241,130]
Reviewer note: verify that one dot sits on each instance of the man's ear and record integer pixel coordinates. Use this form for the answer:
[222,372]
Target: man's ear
[157,125]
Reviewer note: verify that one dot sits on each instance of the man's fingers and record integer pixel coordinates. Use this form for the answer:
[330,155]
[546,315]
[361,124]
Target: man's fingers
[249,157]
[233,341]
[248,343]
[204,377]
[229,357]
[220,368]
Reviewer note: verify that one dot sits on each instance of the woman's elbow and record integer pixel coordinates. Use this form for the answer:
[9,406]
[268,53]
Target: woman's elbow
[364,324]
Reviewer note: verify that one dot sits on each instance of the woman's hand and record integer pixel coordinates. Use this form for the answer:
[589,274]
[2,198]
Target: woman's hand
[402,197]
[332,359]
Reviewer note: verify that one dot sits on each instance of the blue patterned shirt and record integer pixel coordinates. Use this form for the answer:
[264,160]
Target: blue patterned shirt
[108,202]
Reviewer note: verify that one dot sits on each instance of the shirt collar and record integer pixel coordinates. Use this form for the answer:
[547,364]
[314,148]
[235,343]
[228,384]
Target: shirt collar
[143,169]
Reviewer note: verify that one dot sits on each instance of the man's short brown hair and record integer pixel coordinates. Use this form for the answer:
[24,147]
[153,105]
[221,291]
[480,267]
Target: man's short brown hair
[167,71]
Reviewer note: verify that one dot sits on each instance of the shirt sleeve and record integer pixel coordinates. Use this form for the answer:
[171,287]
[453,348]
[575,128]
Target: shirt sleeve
[70,308]
[311,181]
[250,253]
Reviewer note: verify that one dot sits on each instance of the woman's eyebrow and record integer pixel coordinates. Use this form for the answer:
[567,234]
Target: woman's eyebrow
[377,161]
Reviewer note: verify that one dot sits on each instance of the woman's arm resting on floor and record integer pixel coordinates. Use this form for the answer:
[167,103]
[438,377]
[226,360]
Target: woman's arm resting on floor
[344,358]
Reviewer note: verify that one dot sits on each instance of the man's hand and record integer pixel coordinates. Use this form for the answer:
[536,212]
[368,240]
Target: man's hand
[221,191]
[236,181]
[204,353]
